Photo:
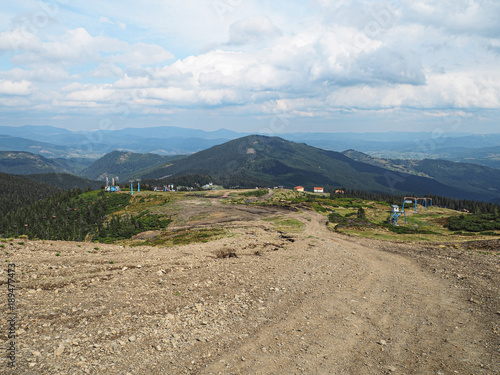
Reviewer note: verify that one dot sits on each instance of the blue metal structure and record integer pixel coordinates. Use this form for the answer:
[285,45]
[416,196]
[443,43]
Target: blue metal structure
[411,200]
[131,187]
[395,213]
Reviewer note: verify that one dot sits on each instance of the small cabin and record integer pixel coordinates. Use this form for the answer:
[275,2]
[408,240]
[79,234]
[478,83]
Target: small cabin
[298,188]
[319,190]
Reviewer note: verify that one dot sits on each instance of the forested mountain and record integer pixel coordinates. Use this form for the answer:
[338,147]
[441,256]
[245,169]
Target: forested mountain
[10,143]
[125,165]
[56,142]
[65,181]
[15,162]
[269,161]
[17,191]
[477,179]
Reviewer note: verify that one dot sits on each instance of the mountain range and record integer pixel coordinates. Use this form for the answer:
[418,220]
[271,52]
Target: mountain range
[84,147]
[257,160]
[269,161]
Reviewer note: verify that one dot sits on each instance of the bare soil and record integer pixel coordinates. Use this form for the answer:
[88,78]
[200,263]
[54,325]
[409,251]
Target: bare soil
[312,302]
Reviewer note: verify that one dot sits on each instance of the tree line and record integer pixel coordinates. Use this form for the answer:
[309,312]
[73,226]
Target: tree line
[475,207]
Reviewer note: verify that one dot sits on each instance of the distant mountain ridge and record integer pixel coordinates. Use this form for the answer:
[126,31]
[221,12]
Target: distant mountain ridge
[56,142]
[269,161]
[473,177]
[23,163]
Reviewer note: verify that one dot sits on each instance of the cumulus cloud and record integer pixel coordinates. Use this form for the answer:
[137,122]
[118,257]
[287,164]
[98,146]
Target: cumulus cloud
[77,46]
[8,87]
[455,16]
[335,56]
[253,29]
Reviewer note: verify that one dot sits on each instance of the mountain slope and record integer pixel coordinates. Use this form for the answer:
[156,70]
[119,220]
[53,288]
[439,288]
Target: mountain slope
[10,143]
[15,162]
[123,165]
[65,181]
[17,191]
[477,179]
[260,161]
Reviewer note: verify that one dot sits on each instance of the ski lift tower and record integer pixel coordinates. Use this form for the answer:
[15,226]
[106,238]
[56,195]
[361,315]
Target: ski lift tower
[410,200]
[395,213]
[131,187]
[139,185]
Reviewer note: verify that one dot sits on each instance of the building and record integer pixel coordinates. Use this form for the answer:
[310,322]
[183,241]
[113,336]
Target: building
[112,188]
[319,190]
[339,192]
[298,188]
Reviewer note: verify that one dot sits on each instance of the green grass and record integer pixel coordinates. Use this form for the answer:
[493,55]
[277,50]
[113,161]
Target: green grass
[256,193]
[287,225]
[184,237]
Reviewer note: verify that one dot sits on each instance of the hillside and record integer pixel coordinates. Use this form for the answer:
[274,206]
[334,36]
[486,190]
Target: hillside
[22,163]
[123,164]
[270,161]
[65,181]
[10,143]
[477,179]
[17,192]
[219,285]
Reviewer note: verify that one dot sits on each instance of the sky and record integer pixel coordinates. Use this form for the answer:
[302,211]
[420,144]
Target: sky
[252,65]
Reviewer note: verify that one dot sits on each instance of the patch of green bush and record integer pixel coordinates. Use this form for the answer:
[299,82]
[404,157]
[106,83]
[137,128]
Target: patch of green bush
[474,223]
[256,193]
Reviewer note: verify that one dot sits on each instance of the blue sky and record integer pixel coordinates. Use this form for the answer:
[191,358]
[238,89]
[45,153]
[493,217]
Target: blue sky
[252,65]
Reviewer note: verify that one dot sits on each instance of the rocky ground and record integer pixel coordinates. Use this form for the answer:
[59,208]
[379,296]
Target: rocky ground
[255,302]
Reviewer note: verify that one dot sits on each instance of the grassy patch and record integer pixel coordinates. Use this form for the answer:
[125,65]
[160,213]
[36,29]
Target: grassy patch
[284,224]
[256,193]
[186,237]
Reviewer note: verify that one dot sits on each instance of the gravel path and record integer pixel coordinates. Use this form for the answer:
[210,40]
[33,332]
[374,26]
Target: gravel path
[314,302]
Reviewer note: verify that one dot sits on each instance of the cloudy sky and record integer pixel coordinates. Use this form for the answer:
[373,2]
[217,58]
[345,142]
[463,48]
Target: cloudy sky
[252,65]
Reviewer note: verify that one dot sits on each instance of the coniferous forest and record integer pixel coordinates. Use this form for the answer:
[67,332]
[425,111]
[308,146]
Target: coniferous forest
[75,216]
[17,192]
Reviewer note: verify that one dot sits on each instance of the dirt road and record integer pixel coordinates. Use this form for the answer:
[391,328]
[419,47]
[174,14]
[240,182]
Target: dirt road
[313,302]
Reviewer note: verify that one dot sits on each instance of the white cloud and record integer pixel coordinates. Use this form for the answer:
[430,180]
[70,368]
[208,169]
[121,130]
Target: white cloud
[462,16]
[15,88]
[77,47]
[310,59]
[253,29]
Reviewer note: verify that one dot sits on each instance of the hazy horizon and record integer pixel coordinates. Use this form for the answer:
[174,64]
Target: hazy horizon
[380,131]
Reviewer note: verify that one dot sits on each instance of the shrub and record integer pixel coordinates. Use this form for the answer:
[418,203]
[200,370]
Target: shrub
[225,253]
